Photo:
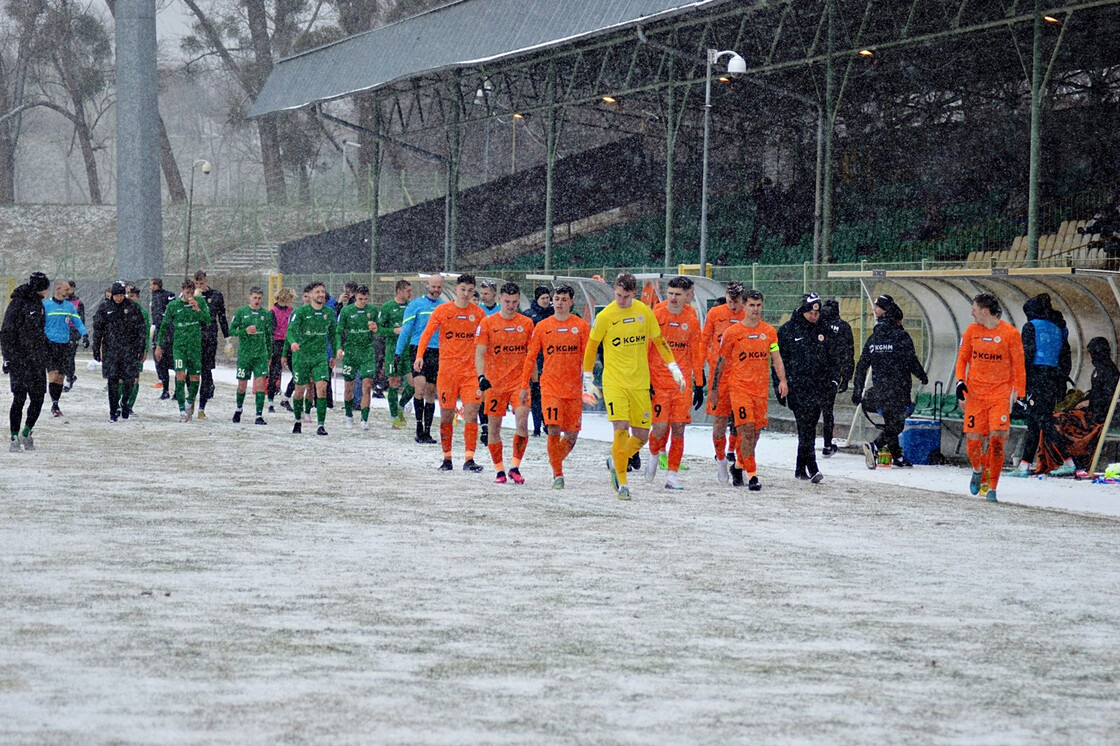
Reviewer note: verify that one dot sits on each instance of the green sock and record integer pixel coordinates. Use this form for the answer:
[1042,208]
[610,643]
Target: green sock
[365,414]
[348,406]
[180,394]
[260,404]
[407,392]
[192,391]
[26,431]
[394,403]
[321,410]
[134,394]
[240,400]
[297,407]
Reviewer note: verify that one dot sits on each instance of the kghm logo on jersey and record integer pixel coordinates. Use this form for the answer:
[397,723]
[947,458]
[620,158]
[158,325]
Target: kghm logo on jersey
[634,339]
[752,355]
[992,356]
[561,349]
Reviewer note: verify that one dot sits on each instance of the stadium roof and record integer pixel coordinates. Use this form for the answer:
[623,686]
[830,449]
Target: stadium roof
[468,32]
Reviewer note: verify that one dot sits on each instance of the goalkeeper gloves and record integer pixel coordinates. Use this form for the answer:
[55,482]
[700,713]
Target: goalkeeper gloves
[591,392]
[678,377]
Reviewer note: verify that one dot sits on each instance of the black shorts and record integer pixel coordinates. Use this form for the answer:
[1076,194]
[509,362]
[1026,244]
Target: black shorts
[58,356]
[430,369]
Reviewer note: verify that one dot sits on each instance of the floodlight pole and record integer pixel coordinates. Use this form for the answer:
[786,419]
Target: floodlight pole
[714,56]
[1035,137]
[190,211]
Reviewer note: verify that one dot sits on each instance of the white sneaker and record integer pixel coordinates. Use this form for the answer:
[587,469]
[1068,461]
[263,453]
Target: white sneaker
[365,425]
[671,482]
[650,468]
[722,474]
[349,420]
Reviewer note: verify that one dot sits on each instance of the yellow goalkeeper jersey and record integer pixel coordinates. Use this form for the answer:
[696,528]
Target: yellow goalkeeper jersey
[626,335]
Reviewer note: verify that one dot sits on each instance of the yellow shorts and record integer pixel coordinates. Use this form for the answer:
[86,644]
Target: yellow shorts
[632,405]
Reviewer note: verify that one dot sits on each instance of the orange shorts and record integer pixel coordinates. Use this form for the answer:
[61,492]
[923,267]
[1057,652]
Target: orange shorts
[724,408]
[670,405]
[453,386]
[748,409]
[982,415]
[567,414]
[496,402]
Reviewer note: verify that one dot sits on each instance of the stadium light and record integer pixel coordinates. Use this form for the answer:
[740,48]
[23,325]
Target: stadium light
[736,65]
[190,210]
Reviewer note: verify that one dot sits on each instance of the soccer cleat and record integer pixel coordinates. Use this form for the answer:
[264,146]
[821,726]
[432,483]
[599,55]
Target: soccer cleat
[1082,474]
[974,483]
[870,456]
[1064,471]
[202,414]
[321,430]
[271,409]
[15,447]
[736,475]
[635,463]
[286,405]
[365,425]
[650,469]
[721,470]
[157,385]
[447,465]
[817,477]
[671,482]
[183,417]
[164,395]
[828,450]
[126,413]
[558,483]
[901,462]
[297,427]
[67,387]
[55,410]
[190,410]
[260,421]
[426,439]
[236,416]
[515,475]
[1020,473]
[501,478]
[471,466]
[28,442]
[663,461]
[991,496]
[613,475]
[623,492]
[754,485]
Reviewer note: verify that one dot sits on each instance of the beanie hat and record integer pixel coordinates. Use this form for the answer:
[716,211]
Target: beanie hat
[38,281]
[118,288]
[808,301]
[541,290]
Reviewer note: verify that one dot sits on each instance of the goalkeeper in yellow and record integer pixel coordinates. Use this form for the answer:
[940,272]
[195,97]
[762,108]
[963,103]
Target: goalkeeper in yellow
[626,328]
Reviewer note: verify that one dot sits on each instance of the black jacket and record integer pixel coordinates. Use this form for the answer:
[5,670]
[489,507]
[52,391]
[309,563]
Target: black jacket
[158,307]
[841,343]
[217,303]
[119,334]
[810,369]
[22,339]
[889,352]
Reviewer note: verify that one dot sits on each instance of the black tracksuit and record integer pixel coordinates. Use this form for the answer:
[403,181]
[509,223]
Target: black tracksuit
[160,299]
[119,337]
[889,353]
[841,344]
[217,303]
[811,375]
[1048,359]
[23,342]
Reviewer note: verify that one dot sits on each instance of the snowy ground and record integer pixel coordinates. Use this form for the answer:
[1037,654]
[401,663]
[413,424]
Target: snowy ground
[220,583]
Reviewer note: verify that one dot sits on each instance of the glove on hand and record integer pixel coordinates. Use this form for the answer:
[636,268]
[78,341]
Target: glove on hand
[85,341]
[591,392]
[678,377]
[697,397]
[483,383]
[961,390]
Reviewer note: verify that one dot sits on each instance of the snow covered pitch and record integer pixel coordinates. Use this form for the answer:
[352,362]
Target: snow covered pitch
[219,583]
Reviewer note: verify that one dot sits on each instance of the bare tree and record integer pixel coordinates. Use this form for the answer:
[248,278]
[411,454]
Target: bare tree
[17,41]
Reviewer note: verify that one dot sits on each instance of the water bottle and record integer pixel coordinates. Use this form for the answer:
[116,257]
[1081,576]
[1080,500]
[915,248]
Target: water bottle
[884,459]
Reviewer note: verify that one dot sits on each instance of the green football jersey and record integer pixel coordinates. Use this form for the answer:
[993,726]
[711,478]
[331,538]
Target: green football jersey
[252,345]
[313,329]
[186,322]
[353,326]
[391,317]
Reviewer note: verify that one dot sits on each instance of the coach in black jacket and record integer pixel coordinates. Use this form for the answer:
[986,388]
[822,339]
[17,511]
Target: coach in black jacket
[24,346]
[811,373]
[889,352]
[119,336]
[160,299]
[842,345]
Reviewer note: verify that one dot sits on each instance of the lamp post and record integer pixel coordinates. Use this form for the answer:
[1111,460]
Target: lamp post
[190,209]
[736,65]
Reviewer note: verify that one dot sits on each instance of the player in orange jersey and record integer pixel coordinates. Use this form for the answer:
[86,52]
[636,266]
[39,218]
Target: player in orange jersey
[990,373]
[458,382]
[680,328]
[745,356]
[716,322]
[499,356]
[562,339]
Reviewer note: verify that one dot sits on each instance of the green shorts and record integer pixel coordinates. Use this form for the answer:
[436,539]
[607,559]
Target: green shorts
[307,371]
[188,360]
[359,366]
[252,367]
[397,365]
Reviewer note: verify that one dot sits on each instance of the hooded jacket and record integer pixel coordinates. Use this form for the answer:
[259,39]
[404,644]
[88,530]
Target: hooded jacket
[23,340]
[1045,341]
[1105,377]
[810,369]
[889,353]
[119,337]
[841,342]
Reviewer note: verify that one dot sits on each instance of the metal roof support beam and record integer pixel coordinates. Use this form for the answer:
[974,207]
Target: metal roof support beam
[451,200]
[829,126]
[317,110]
[552,139]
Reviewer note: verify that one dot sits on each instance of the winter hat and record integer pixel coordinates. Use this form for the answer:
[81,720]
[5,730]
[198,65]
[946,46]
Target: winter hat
[830,309]
[38,282]
[1099,349]
[118,288]
[809,302]
[541,290]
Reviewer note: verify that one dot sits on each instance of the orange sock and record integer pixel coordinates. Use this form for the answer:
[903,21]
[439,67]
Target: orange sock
[733,442]
[676,452]
[520,443]
[619,455]
[720,442]
[470,438]
[446,430]
[750,466]
[566,447]
[554,458]
[995,461]
[975,451]
[657,443]
[496,454]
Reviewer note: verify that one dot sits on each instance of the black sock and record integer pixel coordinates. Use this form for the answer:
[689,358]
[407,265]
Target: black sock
[56,392]
[429,415]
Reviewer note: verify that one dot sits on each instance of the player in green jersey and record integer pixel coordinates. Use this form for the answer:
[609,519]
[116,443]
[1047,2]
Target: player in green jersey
[134,296]
[185,315]
[357,323]
[389,322]
[312,327]
[252,324]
